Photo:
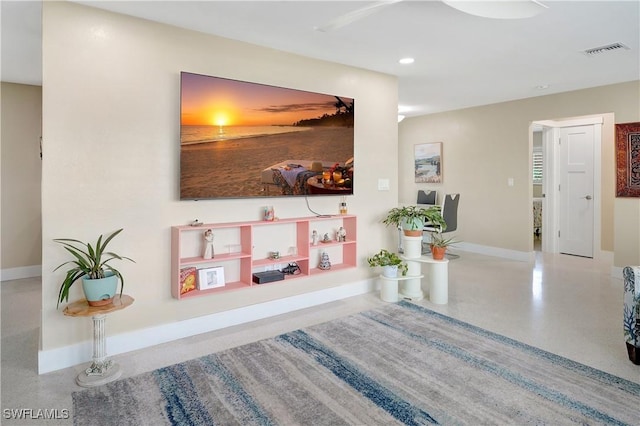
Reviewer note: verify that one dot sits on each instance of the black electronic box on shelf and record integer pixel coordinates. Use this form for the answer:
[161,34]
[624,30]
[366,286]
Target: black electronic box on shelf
[267,277]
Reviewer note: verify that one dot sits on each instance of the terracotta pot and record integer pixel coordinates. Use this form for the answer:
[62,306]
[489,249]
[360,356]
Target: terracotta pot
[412,227]
[438,252]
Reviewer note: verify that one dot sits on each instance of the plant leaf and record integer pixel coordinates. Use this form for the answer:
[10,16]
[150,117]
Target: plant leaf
[88,261]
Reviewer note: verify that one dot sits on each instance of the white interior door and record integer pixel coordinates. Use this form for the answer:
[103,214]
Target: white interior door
[576,230]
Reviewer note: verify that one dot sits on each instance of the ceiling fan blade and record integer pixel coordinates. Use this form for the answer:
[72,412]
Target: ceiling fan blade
[354,15]
[498,9]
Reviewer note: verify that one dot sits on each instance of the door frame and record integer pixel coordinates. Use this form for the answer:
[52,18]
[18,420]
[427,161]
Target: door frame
[551,180]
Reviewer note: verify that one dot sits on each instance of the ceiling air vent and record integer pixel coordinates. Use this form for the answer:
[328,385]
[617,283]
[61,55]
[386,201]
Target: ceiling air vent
[605,49]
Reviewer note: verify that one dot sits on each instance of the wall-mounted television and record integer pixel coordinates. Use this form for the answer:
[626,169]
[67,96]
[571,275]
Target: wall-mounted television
[240,139]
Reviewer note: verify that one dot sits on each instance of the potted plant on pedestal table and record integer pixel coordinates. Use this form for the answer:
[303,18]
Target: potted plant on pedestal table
[390,263]
[91,263]
[412,218]
[439,245]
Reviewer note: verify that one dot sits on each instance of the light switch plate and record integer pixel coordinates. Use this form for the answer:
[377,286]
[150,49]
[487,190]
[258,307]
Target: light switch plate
[383,184]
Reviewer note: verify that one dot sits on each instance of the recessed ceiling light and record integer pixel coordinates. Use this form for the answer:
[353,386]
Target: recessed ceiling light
[542,87]
[406,61]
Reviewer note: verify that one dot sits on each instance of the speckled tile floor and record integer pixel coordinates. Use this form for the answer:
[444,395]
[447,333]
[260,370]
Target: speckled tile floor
[567,305]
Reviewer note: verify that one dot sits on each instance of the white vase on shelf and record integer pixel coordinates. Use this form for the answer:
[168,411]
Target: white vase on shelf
[390,271]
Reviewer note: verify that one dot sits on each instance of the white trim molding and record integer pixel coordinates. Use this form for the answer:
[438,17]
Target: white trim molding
[20,272]
[69,356]
[616,272]
[572,122]
[522,256]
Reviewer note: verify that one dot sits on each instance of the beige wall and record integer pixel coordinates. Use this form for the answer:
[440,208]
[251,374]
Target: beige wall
[21,176]
[484,146]
[627,224]
[111,125]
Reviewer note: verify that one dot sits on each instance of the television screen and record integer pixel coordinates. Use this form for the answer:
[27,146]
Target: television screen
[240,139]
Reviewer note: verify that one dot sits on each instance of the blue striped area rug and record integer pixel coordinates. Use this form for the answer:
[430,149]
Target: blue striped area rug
[398,364]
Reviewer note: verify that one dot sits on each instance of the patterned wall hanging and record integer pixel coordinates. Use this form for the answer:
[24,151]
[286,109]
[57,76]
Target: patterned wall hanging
[628,160]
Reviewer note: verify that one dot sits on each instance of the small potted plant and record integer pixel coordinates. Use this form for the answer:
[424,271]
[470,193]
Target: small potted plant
[390,263]
[412,218]
[439,245]
[91,263]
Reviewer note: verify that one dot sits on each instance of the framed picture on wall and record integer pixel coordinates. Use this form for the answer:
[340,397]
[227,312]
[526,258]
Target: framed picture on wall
[210,278]
[628,160]
[428,162]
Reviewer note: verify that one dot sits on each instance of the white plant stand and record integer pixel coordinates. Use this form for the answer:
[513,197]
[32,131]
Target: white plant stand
[389,287]
[437,277]
[411,287]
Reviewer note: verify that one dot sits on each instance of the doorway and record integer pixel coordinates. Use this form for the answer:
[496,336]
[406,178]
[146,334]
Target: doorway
[537,175]
[570,198]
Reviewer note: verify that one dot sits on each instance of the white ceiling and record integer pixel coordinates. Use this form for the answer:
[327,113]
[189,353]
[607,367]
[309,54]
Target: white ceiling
[461,60]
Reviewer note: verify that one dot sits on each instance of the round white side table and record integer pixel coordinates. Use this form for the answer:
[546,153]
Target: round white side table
[101,370]
[437,278]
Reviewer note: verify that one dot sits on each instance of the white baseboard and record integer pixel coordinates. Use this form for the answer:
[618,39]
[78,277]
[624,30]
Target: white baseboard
[68,356]
[20,272]
[604,256]
[616,272]
[523,256]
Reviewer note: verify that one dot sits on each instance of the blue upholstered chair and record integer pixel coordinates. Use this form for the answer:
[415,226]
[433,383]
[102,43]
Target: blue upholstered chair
[631,275]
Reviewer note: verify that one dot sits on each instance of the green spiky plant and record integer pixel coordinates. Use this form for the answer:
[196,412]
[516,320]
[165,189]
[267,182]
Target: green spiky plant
[438,240]
[90,260]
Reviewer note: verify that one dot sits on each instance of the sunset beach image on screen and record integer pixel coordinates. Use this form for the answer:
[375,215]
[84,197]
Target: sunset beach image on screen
[242,139]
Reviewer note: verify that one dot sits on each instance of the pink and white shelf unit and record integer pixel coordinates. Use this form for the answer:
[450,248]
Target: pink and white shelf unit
[243,248]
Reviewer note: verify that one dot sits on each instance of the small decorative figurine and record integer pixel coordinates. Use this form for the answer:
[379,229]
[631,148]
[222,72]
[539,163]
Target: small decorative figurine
[324,261]
[315,237]
[291,269]
[326,238]
[341,235]
[208,244]
[269,213]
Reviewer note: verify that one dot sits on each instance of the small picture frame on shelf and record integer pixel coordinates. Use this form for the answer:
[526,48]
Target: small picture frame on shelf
[187,279]
[210,278]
